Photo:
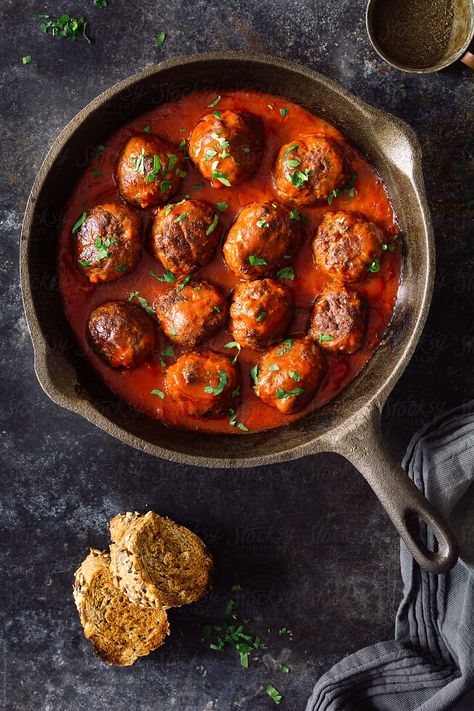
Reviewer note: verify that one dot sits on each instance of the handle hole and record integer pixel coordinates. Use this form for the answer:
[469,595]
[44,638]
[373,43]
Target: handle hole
[421,532]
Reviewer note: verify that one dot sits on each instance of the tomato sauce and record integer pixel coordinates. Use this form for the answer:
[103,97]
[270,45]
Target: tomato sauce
[175,121]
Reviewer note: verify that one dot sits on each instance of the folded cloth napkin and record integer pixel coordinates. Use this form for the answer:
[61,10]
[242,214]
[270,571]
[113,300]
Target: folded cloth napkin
[429,665]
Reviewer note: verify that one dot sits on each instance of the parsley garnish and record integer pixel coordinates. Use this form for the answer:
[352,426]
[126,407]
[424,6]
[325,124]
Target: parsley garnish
[222,206]
[286,273]
[217,115]
[181,173]
[283,668]
[220,386]
[262,314]
[256,261]
[138,162]
[172,160]
[222,178]
[323,338]
[374,266]
[160,38]
[165,186]
[295,215]
[349,187]
[299,178]
[233,423]
[286,346]
[168,277]
[284,111]
[160,393]
[232,632]
[182,216]
[254,373]
[184,283]
[65,26]
[146,129]
[168,352]
[212,226]
[295,375]
[388,247]
[291,148]
[283,394]
[272,367]
[214,103]
[80,222]
[142,301]
[26,59]
[262,224]
[234,344]
[274,694]
[156,170]
[96,172]
[101,3]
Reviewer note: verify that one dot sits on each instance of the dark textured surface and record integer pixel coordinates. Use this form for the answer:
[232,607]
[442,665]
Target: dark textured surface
[307,541]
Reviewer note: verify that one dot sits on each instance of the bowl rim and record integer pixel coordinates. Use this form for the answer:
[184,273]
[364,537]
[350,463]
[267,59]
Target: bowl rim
[321,441]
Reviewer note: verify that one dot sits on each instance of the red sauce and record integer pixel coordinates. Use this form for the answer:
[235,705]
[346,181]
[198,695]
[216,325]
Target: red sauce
[174,121]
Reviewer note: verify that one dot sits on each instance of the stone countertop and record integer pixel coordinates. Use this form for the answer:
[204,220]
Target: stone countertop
[307,541]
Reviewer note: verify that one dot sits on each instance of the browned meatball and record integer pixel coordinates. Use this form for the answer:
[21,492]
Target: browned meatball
[226,147]
[191,311]
[184,236]
[260,313]
[203,384]
[346,246]
[148,171]
[339,320]
[308,169]
[121,333]
[288,375]
[263,235]
[107,244]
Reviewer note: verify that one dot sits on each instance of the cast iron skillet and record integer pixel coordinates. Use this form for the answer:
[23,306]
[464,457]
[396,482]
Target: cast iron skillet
[350,424]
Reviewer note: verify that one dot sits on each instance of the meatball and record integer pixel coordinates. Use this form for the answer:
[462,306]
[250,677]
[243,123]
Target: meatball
[203,384]
[148,171]
[122,334]
[338,320]
[308,169]
[226,147]
[260,313]
[184,236]
[107,244]
[288,375]
[261,239]
[346,246]
[191,311]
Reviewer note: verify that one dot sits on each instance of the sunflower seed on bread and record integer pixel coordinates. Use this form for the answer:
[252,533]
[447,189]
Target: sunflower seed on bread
[120,630]
[156,562]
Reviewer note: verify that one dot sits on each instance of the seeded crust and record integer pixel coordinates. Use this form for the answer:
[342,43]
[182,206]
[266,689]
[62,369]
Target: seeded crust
[157,563]
[120,630]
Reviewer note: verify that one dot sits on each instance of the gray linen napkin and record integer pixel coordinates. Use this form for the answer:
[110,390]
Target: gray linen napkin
[429,665]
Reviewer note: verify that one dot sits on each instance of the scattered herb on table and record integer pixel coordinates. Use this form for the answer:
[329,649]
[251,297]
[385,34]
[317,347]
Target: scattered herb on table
[64,26]
[284,112]
[160,38]
[274,694]
[26,59]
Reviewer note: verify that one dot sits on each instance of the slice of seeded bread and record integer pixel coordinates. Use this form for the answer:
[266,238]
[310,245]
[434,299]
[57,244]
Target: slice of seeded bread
[157,563]
[120,630]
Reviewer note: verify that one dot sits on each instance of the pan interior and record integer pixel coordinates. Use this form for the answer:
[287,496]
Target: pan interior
[64,372]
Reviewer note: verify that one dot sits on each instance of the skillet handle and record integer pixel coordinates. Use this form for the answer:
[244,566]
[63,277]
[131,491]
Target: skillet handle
[363,446]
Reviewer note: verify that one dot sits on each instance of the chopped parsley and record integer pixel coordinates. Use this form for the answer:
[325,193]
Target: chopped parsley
[209,154]
[348,187]
[254,373]
[168,209]
[232,632]
[222,178]
[234,344]
[283,631]
[299,178]
[220,386]
[274,694]
[217,115]
[168,352]
[142,301]
[155,171]
[101,3]
[165,186]
[181,173]
[293,147]
[261,316]
[102,246]
[283,394]
[168,277]
[138,162]
[99,150]
[96,172]
[388,247]
[212,226]
[235,393]
[257,261]
[325,338]
[26,59]
[283,668]
[184,283]
[197,186]
[295,375]
[222,206]
[374,266]
[214,103]
[262,224]
[79,222]
[160,38]
[286,346]
[286,273]
[65,26]
[233,421]
[121,267]
[146,129]
[273,367]
[172,160]
[284,111]
[293,163]
[160,393]
[295,215]
[182,216]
